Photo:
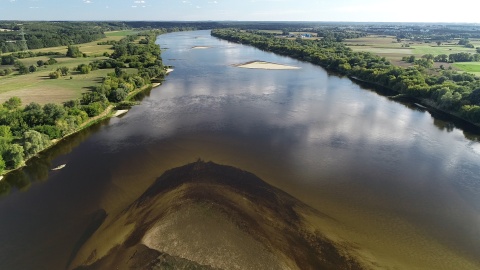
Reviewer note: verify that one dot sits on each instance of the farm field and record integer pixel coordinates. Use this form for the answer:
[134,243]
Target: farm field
[390,48]
[38,87]
[471,67]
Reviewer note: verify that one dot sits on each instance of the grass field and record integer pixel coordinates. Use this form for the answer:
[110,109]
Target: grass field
[38,87]
[390,48]
[471,67]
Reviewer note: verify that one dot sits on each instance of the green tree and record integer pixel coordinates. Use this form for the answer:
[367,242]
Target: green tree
[32,68]
[33,114]
[118,95]
[51,61]
[6,132]
[2,165]
[22,69]
[84,69]
[13,156]
[55,75]
[74,51]
[34,142]
[12,103]
[52,112]
[64,70]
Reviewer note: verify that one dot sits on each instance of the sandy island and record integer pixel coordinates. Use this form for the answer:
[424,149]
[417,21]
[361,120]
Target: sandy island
[200,47]
[264,65]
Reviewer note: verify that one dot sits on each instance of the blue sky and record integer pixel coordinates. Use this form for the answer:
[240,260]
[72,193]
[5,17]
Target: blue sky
[270,10]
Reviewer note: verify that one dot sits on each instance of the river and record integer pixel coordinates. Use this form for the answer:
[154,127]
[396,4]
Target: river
[404,186]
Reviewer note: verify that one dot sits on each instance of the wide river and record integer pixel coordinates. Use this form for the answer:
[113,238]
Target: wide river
[404,186]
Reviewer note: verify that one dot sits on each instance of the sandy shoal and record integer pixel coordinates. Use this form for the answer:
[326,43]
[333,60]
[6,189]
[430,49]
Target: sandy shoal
[119,112]
[265,65]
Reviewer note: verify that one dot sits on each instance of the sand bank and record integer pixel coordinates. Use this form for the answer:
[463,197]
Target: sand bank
[200,47]
[119,112]
[265,65]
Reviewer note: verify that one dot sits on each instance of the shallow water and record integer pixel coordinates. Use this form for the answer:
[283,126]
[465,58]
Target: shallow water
[404,186]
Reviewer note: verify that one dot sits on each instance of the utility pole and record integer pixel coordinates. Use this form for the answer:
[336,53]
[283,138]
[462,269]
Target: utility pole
[23,41]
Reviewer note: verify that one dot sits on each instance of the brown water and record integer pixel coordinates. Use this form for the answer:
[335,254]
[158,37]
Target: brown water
[404,186]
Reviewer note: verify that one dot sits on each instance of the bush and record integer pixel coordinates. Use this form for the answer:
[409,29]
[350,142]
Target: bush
[93,109]
[51,61]
[55,75]
[52,132]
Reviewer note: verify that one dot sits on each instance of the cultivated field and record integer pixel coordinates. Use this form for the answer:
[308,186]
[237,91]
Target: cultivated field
[390,48]
[471,67]
[38,87]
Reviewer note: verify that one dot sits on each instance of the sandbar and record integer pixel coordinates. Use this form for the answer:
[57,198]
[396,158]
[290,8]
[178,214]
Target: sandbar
[265,65]
[200,47]
[169,70]
[119,112]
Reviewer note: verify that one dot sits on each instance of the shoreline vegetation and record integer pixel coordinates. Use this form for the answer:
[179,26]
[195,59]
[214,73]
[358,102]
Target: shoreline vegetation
[27,131]
[456,94]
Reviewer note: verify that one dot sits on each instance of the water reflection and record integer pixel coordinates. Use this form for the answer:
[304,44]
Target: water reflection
[387,173]
[38,168]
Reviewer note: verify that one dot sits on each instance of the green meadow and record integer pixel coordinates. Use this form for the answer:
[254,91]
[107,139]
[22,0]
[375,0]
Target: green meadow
[38,87]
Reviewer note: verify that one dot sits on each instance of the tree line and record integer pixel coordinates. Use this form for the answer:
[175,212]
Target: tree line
[457,93]
[52,34]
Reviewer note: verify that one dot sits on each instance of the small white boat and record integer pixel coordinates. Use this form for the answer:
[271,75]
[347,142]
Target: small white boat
[59,167]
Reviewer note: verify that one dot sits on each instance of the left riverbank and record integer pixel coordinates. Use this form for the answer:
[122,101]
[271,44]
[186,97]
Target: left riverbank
[117,90]
[112,110]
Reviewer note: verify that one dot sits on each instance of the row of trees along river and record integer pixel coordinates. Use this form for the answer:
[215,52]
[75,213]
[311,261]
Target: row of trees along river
[25,131]
[456,93]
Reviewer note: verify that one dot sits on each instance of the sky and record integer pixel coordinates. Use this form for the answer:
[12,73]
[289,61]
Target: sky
[243,10]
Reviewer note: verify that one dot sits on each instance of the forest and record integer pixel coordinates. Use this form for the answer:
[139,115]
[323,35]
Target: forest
[448,90]
[51,34]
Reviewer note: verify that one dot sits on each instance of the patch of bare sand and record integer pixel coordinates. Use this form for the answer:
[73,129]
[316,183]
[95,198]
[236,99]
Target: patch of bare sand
[216,216]
[119,112]
[200,47]
[265,65]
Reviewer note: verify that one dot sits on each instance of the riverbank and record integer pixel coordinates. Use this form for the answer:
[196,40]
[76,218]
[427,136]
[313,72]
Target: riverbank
[457,97]
[424,103]
[109,112]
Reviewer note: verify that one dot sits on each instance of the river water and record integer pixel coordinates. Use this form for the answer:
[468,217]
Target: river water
[404,186]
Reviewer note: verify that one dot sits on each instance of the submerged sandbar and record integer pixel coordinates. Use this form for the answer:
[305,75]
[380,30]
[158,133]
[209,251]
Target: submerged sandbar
[265,65]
